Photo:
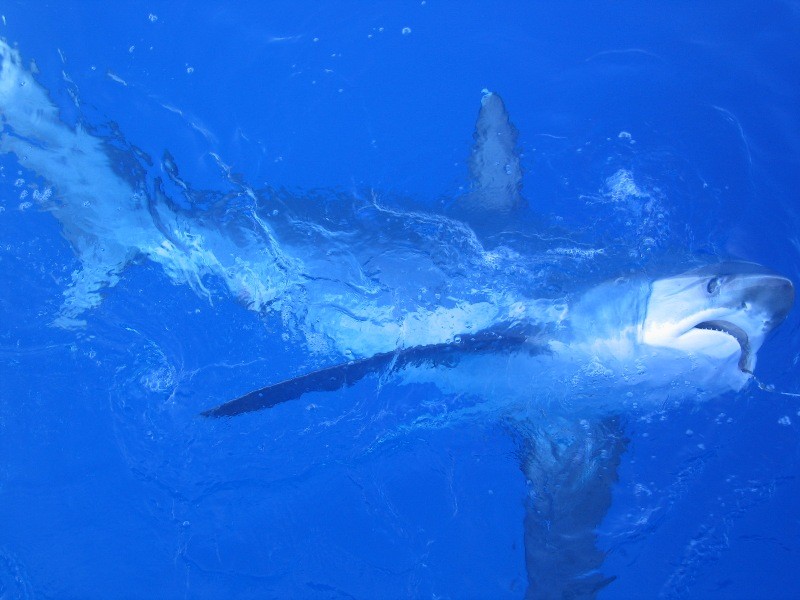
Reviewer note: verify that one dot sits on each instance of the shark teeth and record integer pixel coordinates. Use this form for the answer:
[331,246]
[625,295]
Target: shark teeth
[737,333]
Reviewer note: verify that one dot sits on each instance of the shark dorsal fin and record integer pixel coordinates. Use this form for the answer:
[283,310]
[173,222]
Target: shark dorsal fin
[494,163]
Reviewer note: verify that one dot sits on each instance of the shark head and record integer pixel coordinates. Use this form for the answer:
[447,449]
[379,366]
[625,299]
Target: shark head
[721,312]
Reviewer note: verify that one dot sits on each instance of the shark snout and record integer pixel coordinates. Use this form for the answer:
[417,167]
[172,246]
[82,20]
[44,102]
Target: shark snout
[764,300]
[776,297]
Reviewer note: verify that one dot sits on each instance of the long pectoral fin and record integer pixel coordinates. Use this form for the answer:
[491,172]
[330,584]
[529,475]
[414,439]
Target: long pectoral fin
[495,340]
[571,469]
[328,379]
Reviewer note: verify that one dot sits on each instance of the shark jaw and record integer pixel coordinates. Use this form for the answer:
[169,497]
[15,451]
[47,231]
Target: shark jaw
[746,357]
[721,312]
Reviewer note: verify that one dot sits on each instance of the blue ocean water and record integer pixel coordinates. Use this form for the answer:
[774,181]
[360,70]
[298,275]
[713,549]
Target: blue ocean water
[295,162]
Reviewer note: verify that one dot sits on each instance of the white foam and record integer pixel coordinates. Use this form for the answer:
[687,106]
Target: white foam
[103,216]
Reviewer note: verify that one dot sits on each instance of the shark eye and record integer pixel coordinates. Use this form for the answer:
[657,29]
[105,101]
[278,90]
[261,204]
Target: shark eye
[713,285]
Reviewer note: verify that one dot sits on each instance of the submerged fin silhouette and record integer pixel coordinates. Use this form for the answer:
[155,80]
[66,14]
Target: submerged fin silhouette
[496,340]
[571,470]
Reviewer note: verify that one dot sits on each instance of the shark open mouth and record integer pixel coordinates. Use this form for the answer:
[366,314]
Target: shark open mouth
[739,334]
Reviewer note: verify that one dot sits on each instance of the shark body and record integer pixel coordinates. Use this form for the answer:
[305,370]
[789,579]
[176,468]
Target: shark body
[701,329]
[579,367]
[628,344]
